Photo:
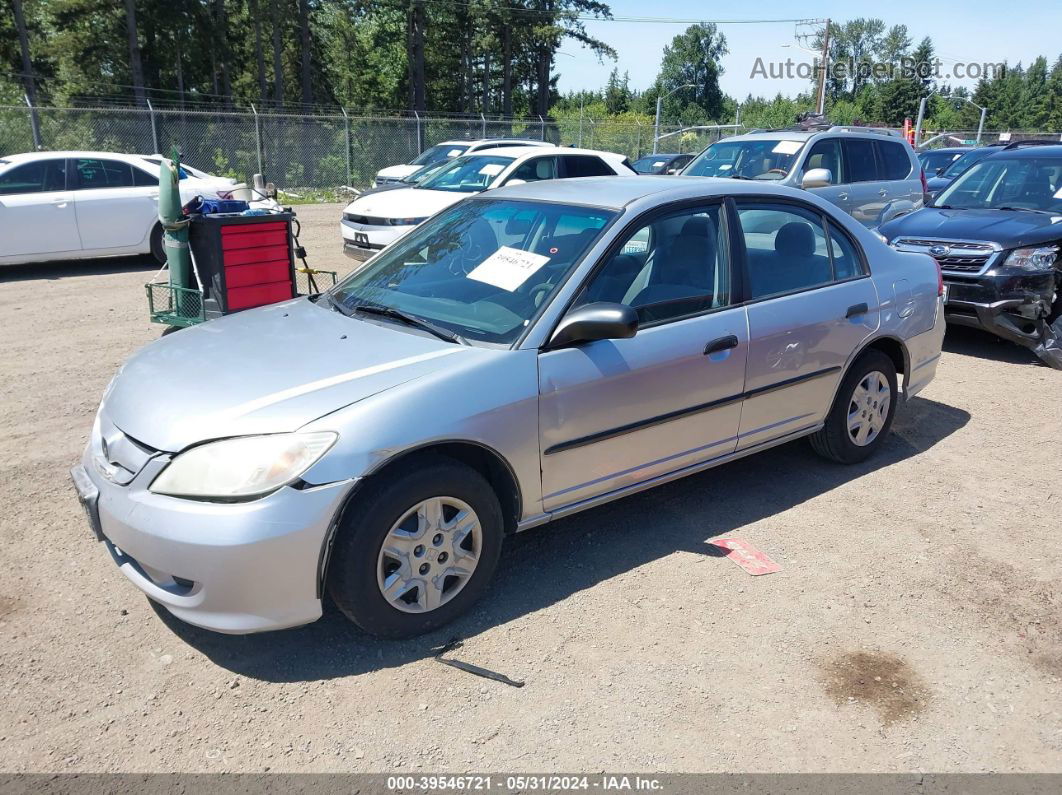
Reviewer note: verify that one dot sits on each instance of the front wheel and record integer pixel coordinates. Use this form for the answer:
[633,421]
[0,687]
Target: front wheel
[862,412]
[158,250]
[414,552]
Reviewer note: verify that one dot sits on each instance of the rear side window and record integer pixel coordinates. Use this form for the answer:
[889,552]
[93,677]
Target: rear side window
[893,160]
[860,157]
[538,168]
[93,173]
[846,260]
[786,248]
[142,178]
[585,166]
[39,176]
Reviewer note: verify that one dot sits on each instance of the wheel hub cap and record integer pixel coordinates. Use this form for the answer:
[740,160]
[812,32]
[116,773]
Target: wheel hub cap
[429,555]
[868,408]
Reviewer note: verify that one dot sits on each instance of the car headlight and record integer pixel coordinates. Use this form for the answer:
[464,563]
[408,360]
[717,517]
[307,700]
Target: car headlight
[242,467]
[1032,259]
[407,221]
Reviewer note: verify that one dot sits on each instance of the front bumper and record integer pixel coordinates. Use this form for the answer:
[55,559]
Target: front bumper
[228,567]
[362,241]
[1004,302]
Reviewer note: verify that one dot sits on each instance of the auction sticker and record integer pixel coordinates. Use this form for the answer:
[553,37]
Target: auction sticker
[508,268]
[747,556]
[788,147]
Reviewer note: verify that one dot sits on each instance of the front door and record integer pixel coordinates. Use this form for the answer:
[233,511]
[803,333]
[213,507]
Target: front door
[37,211]
[810,305]
[613,413]
[112,211]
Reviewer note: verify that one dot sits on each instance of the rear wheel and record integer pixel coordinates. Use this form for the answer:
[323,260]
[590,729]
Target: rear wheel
[158,251]
[416,551]
[862,412]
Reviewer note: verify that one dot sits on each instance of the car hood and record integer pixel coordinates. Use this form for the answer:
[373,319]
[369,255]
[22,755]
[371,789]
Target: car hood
[267,370]
[405,203]
[397,172]
[1008,228]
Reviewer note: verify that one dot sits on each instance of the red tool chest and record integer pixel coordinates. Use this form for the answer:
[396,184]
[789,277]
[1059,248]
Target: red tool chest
[244,261]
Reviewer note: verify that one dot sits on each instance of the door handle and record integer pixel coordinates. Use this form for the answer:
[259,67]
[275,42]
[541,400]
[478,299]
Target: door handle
[883,192]
[721,344]
[842,196]
[856,309]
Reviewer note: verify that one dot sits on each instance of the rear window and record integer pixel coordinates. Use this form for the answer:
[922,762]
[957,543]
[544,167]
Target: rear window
[585,166]
[893,160]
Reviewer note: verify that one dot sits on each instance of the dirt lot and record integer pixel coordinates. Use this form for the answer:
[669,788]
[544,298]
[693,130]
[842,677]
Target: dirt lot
[914,625]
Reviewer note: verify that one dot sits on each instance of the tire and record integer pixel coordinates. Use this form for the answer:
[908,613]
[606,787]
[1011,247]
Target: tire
[158,251]
[835,440]
[380,519]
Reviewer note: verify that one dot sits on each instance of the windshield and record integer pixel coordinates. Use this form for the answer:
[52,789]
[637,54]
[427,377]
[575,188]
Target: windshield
[931,161]
[438,154]
[422,174]
[469,174]
[649,165]
[746,159]
[1024,183]
[481,268]
[967,160]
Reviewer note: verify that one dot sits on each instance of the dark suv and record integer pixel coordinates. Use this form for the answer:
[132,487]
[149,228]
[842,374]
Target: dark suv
[996,232]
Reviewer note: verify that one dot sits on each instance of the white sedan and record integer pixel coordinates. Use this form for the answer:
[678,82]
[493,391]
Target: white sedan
[371,222]
[447,150]
[73,205]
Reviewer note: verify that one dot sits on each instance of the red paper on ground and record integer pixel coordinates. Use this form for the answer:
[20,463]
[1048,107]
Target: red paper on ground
[747,556]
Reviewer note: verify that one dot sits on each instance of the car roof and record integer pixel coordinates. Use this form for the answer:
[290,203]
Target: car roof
[617,192]
[662,155]
[27,156]
[539,151]
[873,133]
[947,150]
[477,141]
[1028,152]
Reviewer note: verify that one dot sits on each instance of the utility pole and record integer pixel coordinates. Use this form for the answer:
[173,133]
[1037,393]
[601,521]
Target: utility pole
[820,106]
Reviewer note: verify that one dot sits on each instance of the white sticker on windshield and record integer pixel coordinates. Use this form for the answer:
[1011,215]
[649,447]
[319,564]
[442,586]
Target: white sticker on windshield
[726,166]
[492,169]
[658,163]
[508,268]
[454,152]
[787,147]
[1058,193]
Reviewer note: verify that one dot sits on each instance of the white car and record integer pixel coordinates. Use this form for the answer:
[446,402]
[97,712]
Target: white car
[73,205]
[371,222]
[447,150]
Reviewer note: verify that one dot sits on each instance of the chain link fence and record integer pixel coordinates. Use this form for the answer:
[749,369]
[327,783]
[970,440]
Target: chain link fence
[326,151]
[319,151]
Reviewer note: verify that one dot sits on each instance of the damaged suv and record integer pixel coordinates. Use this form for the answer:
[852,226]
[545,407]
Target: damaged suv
[996,232]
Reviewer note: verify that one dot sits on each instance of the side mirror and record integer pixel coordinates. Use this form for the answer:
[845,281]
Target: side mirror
[816,178]
[939,171]
[597,321]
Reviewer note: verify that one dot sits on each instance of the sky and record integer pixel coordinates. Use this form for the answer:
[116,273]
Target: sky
[971,31]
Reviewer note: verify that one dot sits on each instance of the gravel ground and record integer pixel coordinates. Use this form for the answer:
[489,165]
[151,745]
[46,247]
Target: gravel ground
[914,624]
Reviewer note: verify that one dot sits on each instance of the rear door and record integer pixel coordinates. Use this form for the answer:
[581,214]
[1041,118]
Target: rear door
[900,173]
[37,211]
[113,211]
[866,194]
[613,413]
[810,304]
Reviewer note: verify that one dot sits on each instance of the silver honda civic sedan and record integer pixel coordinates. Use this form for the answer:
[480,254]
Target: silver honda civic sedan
[521,356]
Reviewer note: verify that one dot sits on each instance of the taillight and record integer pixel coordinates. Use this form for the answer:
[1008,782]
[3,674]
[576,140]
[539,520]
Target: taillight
[940,278]
[925,185]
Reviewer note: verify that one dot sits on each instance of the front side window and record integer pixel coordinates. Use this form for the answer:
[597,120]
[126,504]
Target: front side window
[674,266]
[93,173]
[538,168]
[769,159]
[468,174]
[40,176]
[1019,183]
[785,249]
[826,153]
[481,268]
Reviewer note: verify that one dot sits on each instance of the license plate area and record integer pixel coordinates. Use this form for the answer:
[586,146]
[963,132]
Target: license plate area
[361,239]
[89,497]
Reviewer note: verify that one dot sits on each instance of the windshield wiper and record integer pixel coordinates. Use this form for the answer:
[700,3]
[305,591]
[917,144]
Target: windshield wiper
[1023,210]
[410,320]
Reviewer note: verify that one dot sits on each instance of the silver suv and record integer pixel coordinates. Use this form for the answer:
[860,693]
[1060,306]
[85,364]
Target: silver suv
[870,173]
